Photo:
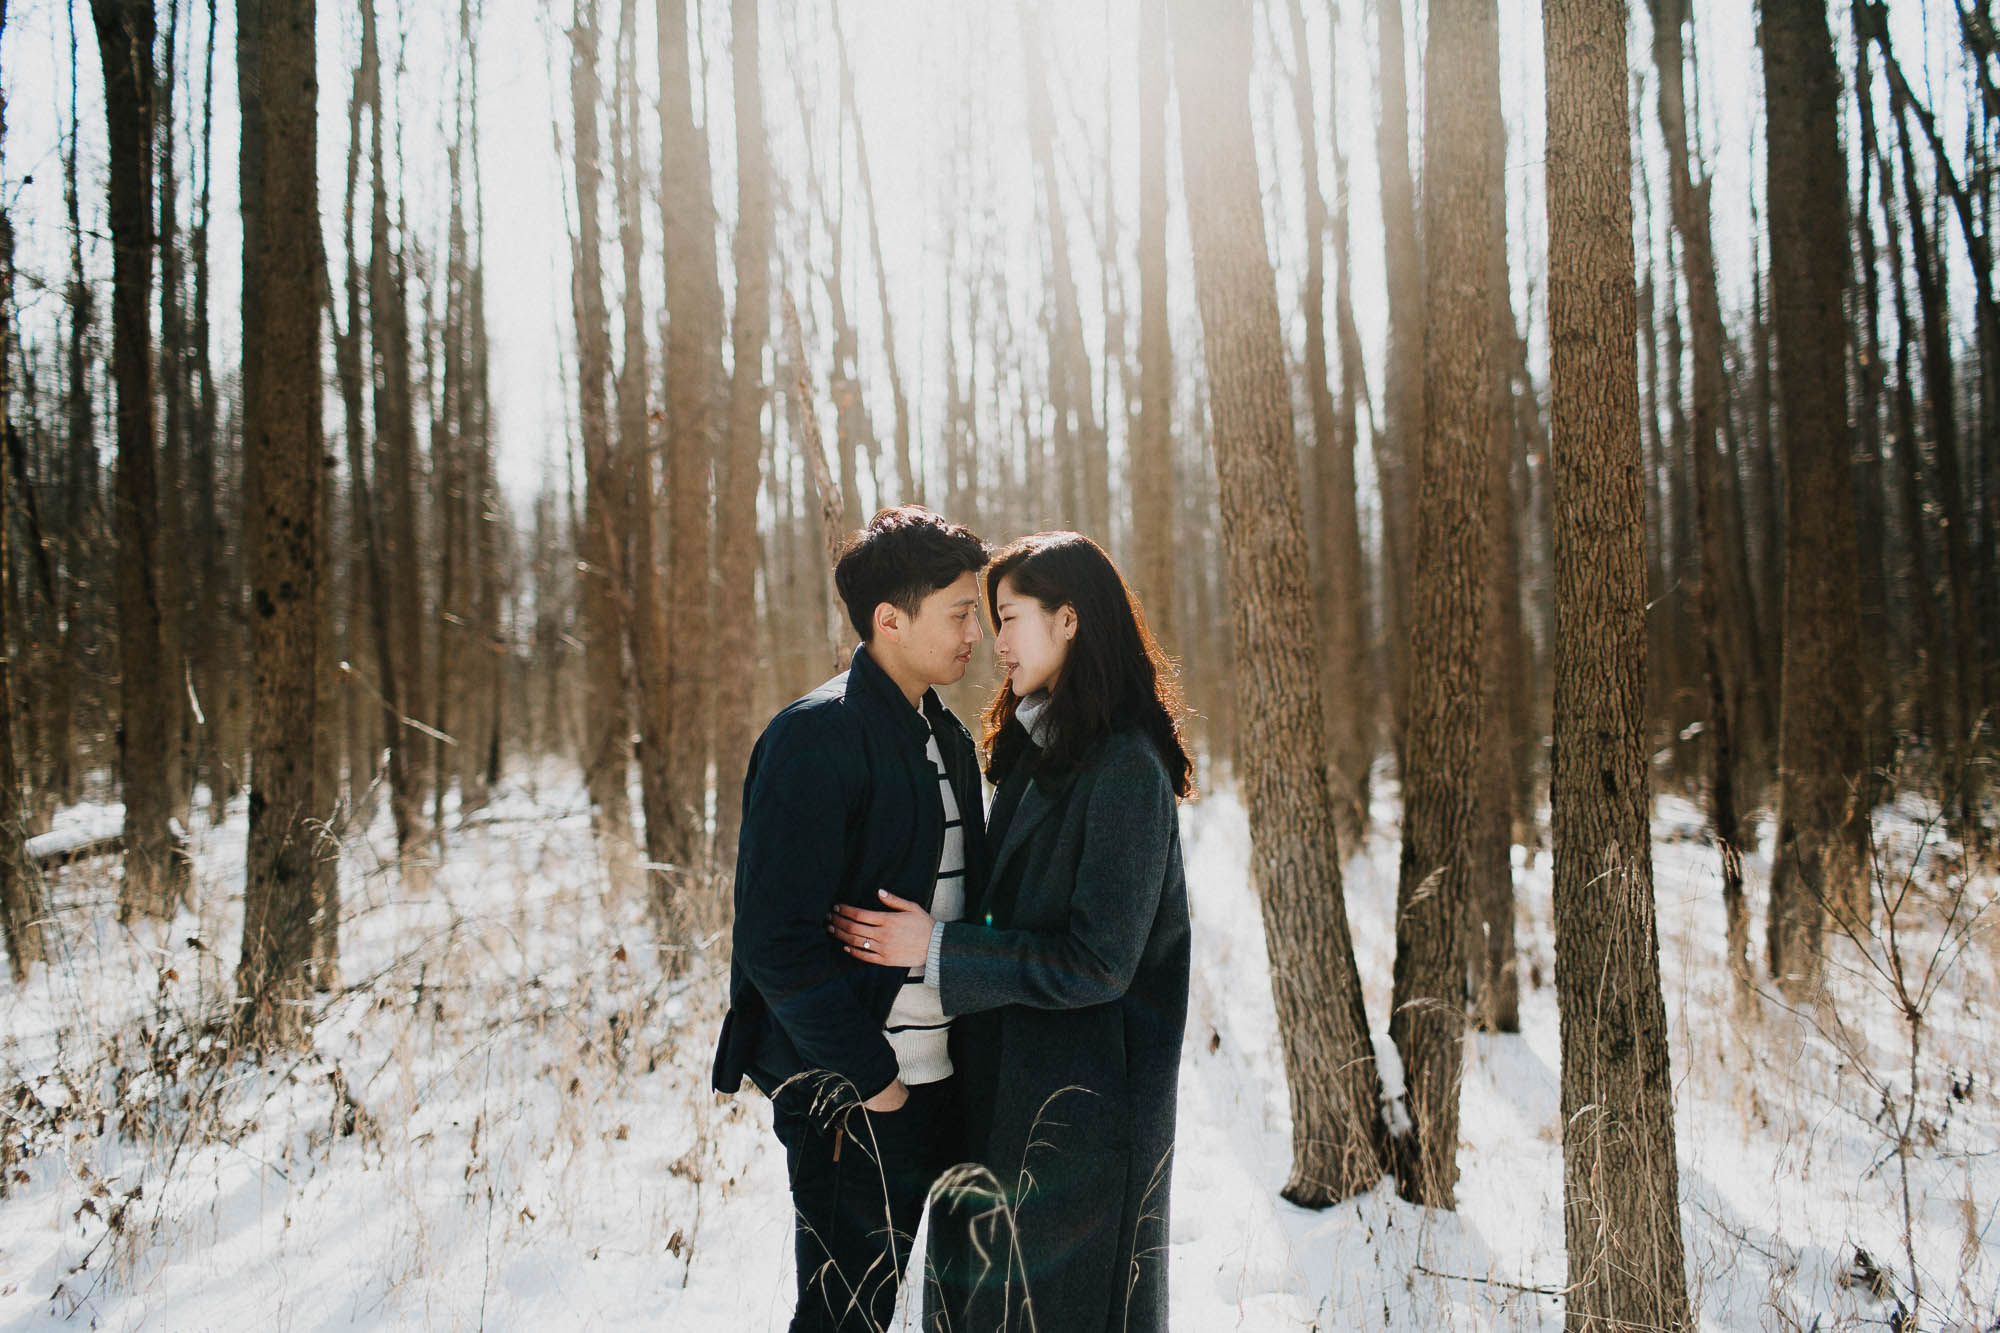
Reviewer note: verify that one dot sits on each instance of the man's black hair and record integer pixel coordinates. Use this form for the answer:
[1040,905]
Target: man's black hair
[903,556]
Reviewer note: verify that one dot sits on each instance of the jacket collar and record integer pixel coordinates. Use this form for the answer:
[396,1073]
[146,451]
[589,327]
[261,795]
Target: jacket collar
[869,684]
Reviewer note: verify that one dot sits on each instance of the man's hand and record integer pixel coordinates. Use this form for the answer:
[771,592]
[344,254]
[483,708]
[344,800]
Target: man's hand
[890,1098]
[899,937]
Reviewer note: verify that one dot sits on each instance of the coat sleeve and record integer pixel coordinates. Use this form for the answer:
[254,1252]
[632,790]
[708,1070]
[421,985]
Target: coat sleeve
[793,844]
[1128,830]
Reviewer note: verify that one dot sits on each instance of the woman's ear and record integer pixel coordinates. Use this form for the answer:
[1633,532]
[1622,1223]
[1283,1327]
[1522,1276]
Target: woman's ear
[1069,622]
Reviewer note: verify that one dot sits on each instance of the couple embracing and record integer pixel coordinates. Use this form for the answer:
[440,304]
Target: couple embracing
[990,1004]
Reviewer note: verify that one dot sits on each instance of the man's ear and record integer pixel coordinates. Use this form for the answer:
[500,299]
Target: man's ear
[889,620]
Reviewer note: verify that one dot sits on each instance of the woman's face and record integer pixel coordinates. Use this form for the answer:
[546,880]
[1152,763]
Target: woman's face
[1032,642]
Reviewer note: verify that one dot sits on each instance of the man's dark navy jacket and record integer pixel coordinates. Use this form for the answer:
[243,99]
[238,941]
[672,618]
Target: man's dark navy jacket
[840,800]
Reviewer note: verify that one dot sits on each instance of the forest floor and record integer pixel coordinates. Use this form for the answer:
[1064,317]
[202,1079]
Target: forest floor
[505,1122]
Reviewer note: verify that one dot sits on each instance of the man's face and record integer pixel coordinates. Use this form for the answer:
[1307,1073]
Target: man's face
[934,646]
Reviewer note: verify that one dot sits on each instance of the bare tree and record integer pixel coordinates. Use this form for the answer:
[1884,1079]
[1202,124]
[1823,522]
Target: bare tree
[282,267]
[1461,178]
[395,490]
[23,910]
[1397,448]
[1337,1131]
[1152,466]
[694,324]
[1341,601]
[155,871]
[1714,600]
[1820,860]
[1079,435]
[1621,1191]
[736,557]
[601,542]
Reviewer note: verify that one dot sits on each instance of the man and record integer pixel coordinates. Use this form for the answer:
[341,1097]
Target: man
[865,786]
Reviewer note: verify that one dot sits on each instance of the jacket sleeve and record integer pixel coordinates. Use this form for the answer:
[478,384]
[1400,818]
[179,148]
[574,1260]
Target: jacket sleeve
[793,844]
[1128,831]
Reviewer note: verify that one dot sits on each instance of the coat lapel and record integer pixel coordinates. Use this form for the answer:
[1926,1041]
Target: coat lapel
[1041,798]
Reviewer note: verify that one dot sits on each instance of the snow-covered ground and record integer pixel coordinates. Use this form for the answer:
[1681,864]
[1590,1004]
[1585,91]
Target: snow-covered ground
[505,1121]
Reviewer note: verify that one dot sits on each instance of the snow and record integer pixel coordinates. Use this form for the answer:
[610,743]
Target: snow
[504,1121]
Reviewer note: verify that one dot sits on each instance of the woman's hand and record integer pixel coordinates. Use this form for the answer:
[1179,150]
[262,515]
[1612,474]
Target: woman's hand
[899,937]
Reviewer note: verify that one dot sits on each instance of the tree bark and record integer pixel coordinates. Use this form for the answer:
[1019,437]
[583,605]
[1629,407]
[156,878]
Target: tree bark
[1713,604]
[694,323]
[1621,1191]
[155,872]
[1820,860]
[1461,178]
[1489,938]
[600,544]
[24,909]
[736,556]
[1397,448]
[1340,602]
[1337,1131]
[395,494]
[282,264]
[1152,468]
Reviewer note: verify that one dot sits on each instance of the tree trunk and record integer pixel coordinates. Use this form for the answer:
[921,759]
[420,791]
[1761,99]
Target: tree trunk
[212,652]
[395,494]
[1820,860]
[910,485]
[600,545]
[1621,1189]
[694,322]
[1962,713]
[1489,938]
[1339,596]
[1337,1133]
[1461,179]
[736,556]
[1152,467]
[172,569]
[1714,607]
[24,908]
[155,872]
[1080,437]
[1403,389]
[282,264]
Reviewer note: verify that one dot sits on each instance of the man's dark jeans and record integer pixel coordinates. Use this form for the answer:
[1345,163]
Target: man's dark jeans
[859,1179]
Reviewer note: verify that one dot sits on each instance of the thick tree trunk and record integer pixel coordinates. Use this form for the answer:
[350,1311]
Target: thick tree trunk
[1337,1130]
[1820,862]
[694,323]
[1461,179]
[1621,1190]
[282,264]
[736,556]
[1152,466]
[155,873]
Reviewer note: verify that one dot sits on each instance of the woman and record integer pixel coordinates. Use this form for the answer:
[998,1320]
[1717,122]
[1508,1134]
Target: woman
[1073,963]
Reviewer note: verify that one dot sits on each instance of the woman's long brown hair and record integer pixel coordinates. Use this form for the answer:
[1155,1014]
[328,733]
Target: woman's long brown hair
[1115,675]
